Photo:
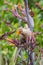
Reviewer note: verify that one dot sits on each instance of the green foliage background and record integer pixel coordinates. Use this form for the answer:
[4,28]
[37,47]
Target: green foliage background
[6,49]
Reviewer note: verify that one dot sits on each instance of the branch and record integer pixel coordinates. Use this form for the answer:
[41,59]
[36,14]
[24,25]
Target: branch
[38,6]
[37,33]
[24,19]
[31,25]
[22,10]
[15,14]
[29,18]
[18,16]
[5,34]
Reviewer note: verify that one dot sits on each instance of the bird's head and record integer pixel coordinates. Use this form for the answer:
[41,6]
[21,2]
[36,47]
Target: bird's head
[19,31]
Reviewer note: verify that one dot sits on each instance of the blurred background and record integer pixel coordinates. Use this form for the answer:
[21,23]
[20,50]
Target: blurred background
[8,23]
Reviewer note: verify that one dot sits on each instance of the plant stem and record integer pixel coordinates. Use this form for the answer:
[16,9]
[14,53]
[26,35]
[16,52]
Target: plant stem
[14,56]
[29,18]
[31,25]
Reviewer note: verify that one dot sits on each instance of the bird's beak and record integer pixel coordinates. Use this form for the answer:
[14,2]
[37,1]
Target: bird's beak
[18,32]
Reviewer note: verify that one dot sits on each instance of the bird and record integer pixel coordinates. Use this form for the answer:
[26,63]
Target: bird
[24,33]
